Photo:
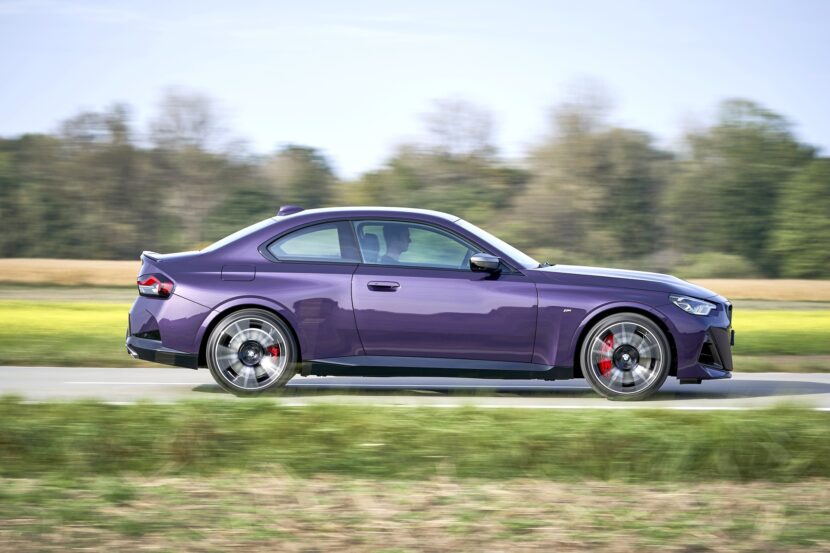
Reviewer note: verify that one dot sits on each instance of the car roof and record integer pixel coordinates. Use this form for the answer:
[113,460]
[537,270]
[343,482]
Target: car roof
[321,214]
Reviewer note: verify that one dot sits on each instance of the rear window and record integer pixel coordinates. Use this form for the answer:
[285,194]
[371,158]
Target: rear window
[330,242]
[238,234]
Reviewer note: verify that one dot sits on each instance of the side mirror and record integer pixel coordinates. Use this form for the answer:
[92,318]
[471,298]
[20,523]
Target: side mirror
[485,262]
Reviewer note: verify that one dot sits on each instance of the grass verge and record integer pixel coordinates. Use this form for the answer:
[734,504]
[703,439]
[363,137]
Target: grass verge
[85,438]
[782,363]
[273,512]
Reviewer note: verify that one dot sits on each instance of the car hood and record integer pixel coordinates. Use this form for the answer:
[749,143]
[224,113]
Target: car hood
[620,278]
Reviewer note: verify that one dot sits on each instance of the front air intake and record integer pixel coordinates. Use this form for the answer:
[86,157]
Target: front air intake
[708,355]
[716,350]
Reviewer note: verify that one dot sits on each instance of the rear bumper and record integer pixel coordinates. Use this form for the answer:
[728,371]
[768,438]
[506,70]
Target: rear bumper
[152,350]
[164,330]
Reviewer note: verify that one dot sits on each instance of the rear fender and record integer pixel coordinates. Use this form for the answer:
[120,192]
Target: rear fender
[254,302]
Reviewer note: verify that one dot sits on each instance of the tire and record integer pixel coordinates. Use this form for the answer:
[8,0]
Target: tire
[625,356]
[251,351]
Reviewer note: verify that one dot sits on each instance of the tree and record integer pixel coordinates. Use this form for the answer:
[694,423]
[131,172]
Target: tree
[743,191]
[592,190]
[801,238]
[243,206]
[300,175]
[187,120]
[455,169]
[725,190]
[458,128]
[90,127]
[10,200]
[189,165]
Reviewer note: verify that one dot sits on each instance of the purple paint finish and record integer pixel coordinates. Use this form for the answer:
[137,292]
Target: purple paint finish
[526,314]
[445,313]
[177,319]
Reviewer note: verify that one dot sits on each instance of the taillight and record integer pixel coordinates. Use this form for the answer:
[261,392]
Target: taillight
[155,286]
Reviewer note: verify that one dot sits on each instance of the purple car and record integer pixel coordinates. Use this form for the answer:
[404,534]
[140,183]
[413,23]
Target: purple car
[411,292]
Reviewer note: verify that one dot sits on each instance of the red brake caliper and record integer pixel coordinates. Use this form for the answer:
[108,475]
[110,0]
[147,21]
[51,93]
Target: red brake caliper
[605,364]
[274,350]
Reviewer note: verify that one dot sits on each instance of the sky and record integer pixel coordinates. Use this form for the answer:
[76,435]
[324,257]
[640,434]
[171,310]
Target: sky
[356,78]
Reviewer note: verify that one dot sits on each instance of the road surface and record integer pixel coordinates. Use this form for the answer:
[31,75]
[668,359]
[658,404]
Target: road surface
[118,385]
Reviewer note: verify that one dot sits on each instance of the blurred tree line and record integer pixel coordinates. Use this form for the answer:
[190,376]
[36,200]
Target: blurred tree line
[741,197]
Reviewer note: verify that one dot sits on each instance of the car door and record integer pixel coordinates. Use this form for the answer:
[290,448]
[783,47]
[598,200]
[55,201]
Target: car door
[426,302]
[310,274]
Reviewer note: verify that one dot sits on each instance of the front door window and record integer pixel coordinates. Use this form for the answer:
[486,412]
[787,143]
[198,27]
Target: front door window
[404,244]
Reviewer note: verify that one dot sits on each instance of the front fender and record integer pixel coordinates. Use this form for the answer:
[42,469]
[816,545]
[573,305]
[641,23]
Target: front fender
[565,318]
[570,353]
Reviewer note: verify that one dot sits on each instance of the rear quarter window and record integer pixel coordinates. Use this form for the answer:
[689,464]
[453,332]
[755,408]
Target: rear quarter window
[330,242]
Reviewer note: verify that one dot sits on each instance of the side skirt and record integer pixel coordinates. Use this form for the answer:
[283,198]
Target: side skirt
[373,365]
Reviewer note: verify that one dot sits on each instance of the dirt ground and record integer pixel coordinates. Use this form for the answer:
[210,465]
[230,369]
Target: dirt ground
[266,512]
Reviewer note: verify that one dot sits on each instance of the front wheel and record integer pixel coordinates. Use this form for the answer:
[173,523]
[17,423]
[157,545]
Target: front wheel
[251,351]
[625,356]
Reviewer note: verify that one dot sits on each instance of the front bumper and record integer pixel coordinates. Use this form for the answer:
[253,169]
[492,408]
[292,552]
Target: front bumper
[152,350]
[714,360]
[717,348]
[703,343]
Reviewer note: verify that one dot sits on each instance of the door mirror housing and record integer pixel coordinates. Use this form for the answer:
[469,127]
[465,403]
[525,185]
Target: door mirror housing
[485,262]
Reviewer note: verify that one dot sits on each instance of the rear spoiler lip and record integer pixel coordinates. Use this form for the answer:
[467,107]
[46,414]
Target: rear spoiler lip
[154,256]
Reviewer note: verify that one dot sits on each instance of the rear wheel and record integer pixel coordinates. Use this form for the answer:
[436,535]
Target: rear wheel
[625,356]
[251,351]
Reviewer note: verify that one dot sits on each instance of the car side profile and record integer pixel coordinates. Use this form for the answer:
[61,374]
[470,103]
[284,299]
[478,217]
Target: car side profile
[410,292]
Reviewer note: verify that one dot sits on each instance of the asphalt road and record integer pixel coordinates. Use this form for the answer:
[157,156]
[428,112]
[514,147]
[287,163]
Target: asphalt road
[118,385]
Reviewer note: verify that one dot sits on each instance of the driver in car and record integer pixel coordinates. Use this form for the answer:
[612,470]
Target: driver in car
[397,242]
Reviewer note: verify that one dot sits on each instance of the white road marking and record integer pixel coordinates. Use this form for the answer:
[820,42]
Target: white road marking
[138,383]
[743,393]
[467,405]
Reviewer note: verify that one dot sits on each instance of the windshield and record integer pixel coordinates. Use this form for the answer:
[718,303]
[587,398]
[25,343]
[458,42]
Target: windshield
[238,234]
[517,255]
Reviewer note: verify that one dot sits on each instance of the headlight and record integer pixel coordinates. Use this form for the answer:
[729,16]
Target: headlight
[693,305]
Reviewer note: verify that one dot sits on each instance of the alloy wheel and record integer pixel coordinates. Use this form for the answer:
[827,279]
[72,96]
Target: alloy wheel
[250,353]
[626,358]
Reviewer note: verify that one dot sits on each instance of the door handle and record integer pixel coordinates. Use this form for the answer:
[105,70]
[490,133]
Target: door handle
[383,286]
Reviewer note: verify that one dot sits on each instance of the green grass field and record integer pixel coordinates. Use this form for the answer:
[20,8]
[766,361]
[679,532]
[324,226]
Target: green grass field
[83,333]
[782,332]
[216,476]
[91,439]
[63,333]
